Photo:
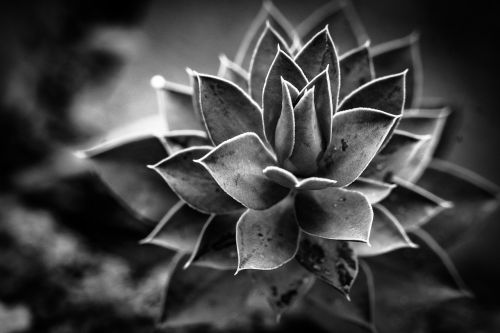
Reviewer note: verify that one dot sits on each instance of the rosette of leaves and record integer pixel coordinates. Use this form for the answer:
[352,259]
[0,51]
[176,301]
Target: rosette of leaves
[305,166]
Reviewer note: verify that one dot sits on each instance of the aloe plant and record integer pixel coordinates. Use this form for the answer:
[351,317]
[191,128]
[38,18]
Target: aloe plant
[305,166]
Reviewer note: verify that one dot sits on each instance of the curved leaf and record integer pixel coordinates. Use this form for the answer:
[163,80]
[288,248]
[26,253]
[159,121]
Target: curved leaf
[373,190]
[330,260]
[283,67]
[237,164]
[287,179]
[334,213]
[356,69]
[284,138]
[227,110]
[234,73]
[267,239]
[386,235]
[356,137]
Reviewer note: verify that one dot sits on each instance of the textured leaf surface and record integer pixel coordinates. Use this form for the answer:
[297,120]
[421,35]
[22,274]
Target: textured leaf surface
[356,137]
[283,287]
[356,69]
[332,261]
[227,110]
[287,179]
[237,164]
[283,67]
[267,239]
[234,73]
[386,235]
[284,138]
[386,93]
[334,213]
[473,197]
[193,184]
[373,190]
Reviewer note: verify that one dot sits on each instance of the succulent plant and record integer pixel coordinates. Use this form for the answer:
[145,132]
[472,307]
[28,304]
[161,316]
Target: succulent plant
[310,175]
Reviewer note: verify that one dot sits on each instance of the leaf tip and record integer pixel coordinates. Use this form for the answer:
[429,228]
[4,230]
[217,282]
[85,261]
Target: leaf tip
[158,82]
[81,154]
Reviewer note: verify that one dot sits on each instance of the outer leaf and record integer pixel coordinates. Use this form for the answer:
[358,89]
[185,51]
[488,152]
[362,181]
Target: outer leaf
[356,69]
[284,138]
[316,56]
[234,73]
[386,235]
[178,229]
[283,287]
[412,205]
[227,110]
[332,261]
[287,179]
[474,198]
[237,164]
[395,156]
[215,298]
[267,239]
[398,55]
[356,137]
[216,245]
[386,93]
[342,21]
[193,184]
[269,42]
[373,190]
[334,213]
[283,67]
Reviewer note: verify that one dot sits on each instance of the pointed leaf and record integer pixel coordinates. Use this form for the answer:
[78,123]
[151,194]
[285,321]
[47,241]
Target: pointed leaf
[180,139]
[474,198]
[283,67]
[386,93]
[234,73]
[386,235]
[216,245]
[356,137]
[373,190]
[193,184]
[215,298]
[287,179]
[237,164]
[331,261]
[267,239]
[227,110]
[395,156]
[265,52]
[399,55]
[284,138]
[334,213]
[356,69]
[178,230]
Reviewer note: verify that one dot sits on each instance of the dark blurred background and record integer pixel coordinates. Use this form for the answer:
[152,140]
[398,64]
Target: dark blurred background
[70,71]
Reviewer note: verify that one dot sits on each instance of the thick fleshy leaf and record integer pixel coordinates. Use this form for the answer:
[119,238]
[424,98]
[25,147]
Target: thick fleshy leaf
[237,164]
[356,137]
[343,23]
[316,56]
[395,156]
[412,205]
[287,179]
[216,245]
[283,67]
[386,93]
[334,213]
[284,138]
[193,184]
[386,235]
[398,55]
[329,305]
[180,139]
[283,287]
[373,190]
[474,198]
[267,239]
[227,110]
[178,230]
[429,279]
[308,141]
[265,52]
[234,73]
[330,260]
[199,295]
[356,69]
